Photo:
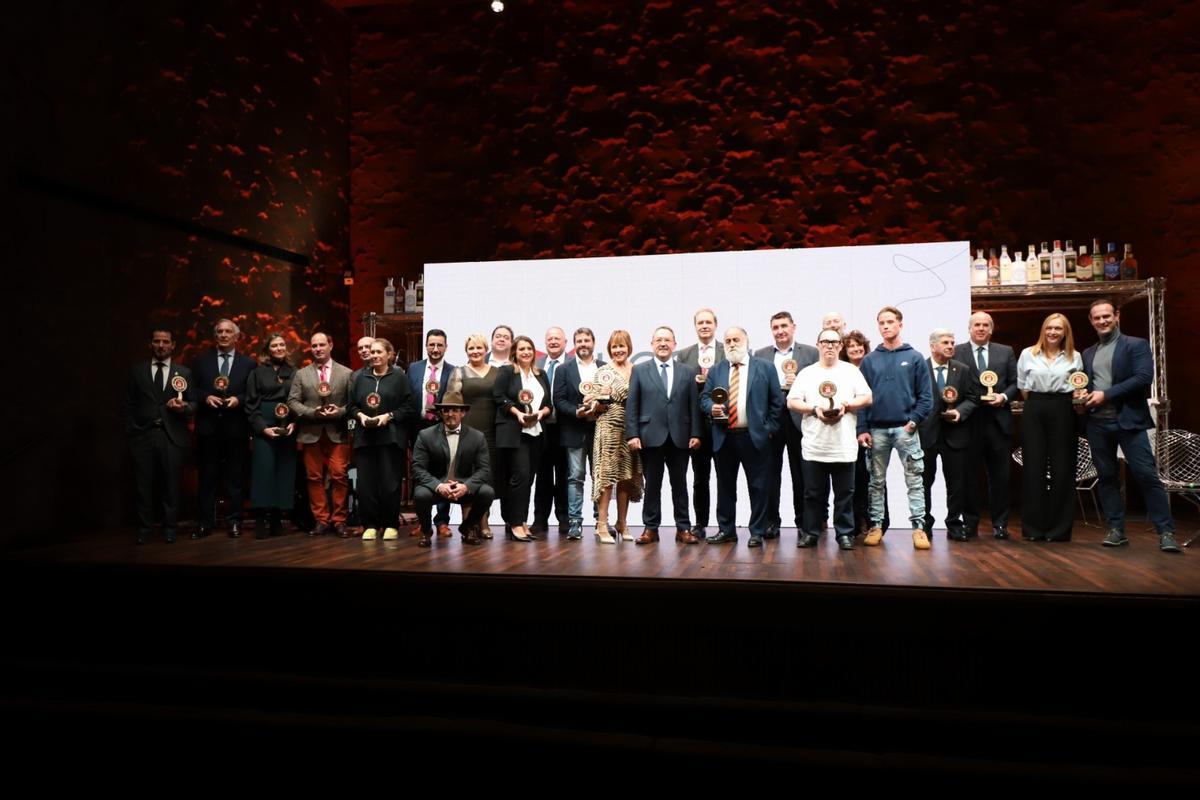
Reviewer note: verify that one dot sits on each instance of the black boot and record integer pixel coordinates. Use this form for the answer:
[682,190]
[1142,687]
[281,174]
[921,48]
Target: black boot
[260,523]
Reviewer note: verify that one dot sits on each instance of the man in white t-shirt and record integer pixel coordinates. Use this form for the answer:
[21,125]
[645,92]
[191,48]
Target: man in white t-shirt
[827,394]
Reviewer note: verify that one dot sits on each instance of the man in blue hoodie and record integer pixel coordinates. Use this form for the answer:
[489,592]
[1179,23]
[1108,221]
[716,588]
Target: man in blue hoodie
[903,398]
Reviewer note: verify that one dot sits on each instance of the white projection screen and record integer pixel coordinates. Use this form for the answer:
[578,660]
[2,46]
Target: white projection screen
[929,282]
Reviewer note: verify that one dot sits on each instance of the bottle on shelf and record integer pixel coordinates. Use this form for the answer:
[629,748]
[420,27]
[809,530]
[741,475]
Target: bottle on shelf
[389,297]
[1069,258]
[1083,267]
[1112,267]
[979,269]
[1058,267]
[1033,272]
[1005,266]
[1018,268]
[1097,261]
[410,298]
[1044,262]
[993,268]
[421,294]
[1129,265]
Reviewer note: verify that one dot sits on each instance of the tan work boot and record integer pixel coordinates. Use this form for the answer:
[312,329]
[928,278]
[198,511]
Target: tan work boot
[873,537]
[920,540]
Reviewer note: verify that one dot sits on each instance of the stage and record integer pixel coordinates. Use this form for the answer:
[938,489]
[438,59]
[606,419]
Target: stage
[1005,661]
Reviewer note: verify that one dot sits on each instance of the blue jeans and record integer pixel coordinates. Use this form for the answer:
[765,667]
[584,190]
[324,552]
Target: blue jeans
[1103,436]
[576,472]
[908,446]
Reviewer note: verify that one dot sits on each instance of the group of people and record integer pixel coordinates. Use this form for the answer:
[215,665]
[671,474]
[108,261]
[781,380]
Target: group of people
[510,425]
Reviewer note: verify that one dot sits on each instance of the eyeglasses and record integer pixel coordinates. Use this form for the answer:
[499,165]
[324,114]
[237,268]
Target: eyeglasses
[829,341]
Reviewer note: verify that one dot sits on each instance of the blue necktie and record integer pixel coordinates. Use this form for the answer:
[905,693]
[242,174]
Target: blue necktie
[550,374]
[979,359]
[941,371]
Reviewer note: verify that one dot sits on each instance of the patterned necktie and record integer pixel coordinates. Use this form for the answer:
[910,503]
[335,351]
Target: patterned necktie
[979,359]
[429,396]
[734,387]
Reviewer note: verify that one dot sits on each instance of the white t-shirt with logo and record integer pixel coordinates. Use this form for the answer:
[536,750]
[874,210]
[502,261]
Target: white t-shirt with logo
[829,443]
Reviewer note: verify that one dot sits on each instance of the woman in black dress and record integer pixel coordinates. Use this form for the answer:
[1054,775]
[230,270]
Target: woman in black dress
[522,398]
[273,462]
[380,405]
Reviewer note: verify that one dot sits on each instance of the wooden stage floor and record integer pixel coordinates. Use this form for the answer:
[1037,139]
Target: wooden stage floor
[1079,566]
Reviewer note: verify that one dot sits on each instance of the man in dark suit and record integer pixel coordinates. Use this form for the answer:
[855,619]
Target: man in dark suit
[702,356]
[662,420]
[156,424]
[576,426]
[551,486]
[945,431]
[450,463]
[432,369]
[1120,372]
[751,416]
[222,430]
[991,425]
[789,357]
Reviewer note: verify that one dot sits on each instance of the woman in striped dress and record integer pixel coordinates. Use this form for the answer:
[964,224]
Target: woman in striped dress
[613,463]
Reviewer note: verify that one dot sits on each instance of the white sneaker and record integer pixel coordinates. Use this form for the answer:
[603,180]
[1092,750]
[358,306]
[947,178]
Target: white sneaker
[370,533]
[390,533]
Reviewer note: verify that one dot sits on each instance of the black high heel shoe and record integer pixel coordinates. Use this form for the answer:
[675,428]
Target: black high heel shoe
[513,537]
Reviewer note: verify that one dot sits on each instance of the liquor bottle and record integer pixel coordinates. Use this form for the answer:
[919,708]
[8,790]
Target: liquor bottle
[1129,267]
[389,297]
[1083,267]
[1044,262]
[979,269]
[1018,268]
[410,298]
[1112,267]
[1097,261]
[1005,266]
[993,266]
[421,294]
[1058,268]
[1069,261]
[1033,272]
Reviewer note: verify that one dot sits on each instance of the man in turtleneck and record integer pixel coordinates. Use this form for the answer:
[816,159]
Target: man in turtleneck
[1120,370]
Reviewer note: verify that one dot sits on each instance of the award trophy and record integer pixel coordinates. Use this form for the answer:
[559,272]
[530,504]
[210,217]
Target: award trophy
[179,385]
[282,412]
[828,389]
[325,391]
[373,401]
[789,371]
[949,397]
[588,390]
[525,398]
[720,397]
[221,384]
[604,380]
[989,379]
[706,362]
[1079,382]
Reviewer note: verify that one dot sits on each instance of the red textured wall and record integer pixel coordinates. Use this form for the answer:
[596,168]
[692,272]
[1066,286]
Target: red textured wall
[595,128]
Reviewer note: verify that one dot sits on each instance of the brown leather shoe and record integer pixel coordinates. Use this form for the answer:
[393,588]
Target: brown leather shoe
[470,535]
[444,531]
[648,537]
[685,537]
[341,530]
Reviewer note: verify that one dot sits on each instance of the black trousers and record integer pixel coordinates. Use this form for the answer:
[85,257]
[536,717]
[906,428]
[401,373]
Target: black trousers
[223,459]
[989,446]
[551,486]
[380,469]
[702,461]
[521,464]
[157,468]
[954,466]
[675,460]
[425,499]
[818,477]
[786,438]
[738,450]
[1048,444]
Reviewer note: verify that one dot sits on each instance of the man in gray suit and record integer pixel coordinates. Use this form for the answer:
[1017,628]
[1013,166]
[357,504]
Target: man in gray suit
[318,400]
[789,357]
[662,420]
[702,356]
[991,425]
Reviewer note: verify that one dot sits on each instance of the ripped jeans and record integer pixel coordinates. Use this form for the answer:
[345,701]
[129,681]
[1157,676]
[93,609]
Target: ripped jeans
[908,446]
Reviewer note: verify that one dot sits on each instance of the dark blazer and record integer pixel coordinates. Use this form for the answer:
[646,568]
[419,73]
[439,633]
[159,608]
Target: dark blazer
[934,429]
[431,459]
[146,407]
[573,432]
[651,416]
[765,413]
[690,355]
[1132,376]
[396,397]
[229,422]
[1003,362]
[416,382]
[504,393]
[264,390]
[804,355]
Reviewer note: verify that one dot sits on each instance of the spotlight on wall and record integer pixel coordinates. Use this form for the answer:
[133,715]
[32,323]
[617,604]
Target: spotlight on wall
[497,6]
